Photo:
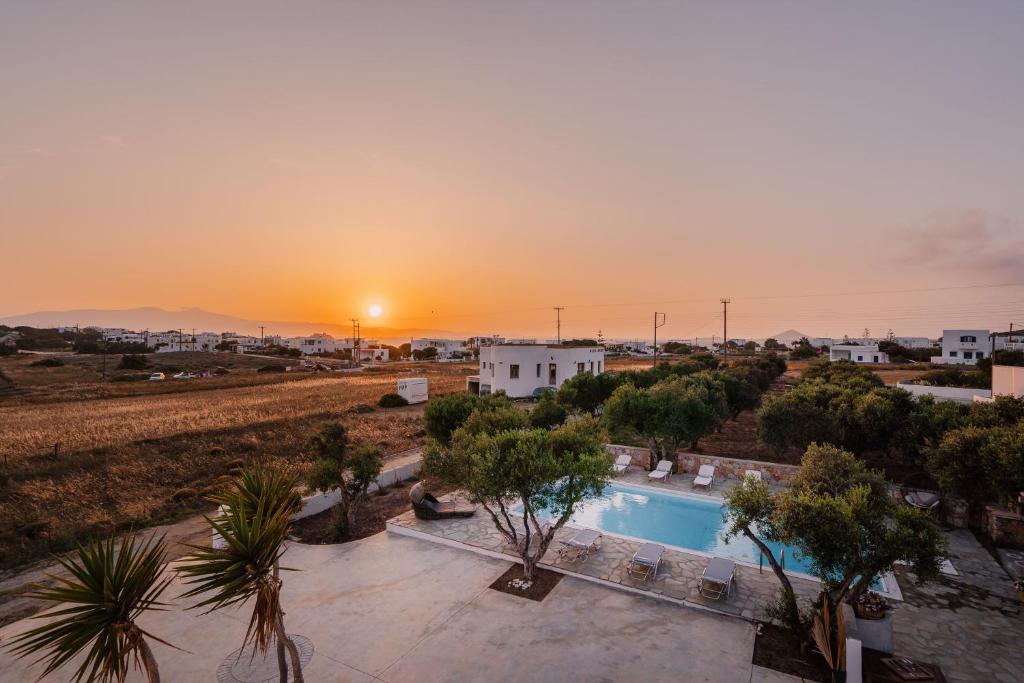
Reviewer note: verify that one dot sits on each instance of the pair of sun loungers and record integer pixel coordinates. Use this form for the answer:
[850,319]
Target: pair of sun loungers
[705,475]
[715,581]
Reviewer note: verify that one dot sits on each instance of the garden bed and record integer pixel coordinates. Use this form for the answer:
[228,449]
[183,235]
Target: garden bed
[774,649]
[544,581]
[378,508]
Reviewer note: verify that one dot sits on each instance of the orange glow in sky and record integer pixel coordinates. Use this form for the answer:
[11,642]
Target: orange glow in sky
[467,166]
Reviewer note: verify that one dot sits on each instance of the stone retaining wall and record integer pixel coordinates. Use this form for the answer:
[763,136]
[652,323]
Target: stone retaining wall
[726,468]
[1004,527]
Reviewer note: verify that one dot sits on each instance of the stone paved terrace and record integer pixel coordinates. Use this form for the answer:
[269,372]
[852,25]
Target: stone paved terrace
[677,577]
[971,625]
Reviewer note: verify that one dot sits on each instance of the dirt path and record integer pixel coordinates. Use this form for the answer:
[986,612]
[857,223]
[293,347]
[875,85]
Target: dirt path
[13,607]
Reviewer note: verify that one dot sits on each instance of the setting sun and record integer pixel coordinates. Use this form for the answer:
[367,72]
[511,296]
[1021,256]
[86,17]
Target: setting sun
[375,311]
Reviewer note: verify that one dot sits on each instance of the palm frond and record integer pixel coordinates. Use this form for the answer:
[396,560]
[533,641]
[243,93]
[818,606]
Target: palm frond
[107,591]
[244,567]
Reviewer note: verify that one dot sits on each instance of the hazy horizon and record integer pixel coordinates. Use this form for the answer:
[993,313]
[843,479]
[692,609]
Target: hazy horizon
[468,166]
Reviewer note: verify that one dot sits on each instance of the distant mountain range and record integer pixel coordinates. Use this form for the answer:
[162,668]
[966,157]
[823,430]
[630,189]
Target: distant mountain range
[789,336]
[156,319]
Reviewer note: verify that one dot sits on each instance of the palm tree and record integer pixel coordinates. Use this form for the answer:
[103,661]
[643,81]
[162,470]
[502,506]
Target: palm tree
[107,592]
[253,526]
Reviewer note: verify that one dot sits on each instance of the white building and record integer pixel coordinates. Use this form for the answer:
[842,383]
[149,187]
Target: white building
[314,344]
[820,342]
[446,348]
[477,342]
[914,342]
[372,353]
[964,347]
[117,335]
[519,369]
[857,353]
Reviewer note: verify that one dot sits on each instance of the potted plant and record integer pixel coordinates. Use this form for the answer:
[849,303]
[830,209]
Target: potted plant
[871,605]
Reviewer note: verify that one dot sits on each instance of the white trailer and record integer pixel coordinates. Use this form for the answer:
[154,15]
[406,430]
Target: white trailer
[413,389]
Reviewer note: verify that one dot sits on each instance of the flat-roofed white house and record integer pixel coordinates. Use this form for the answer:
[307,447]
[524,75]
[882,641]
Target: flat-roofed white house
[519,369]
[964,347]
[446,348]
[914,342]
[858,353]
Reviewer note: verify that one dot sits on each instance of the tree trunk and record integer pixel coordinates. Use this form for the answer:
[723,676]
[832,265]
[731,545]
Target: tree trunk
[282,663]
[776,567]
[149,661]
[293,651]
[529,566]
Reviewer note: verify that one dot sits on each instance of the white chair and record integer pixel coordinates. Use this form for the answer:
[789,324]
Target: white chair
[622,463]
[662,472]
[705,476]
[752,476]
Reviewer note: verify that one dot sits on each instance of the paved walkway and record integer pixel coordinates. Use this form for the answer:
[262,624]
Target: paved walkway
[971,625]
[677,577]
[398,609]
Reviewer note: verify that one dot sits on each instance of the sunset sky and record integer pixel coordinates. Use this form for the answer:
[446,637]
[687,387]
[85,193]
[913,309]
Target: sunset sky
[469,165]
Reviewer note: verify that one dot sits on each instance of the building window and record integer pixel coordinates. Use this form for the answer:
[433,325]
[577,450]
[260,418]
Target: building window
[552,374]
[580,368]
[979,355]
[953,354]
[876,359]
[968,355]
[591,367]
[860,358]
[513,371]
[968,339]
[599,366]
[538,370]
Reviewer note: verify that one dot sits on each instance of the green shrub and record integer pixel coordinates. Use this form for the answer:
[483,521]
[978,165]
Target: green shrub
[133,361]
[274,367]
[547,413]
[445,414]
[392,401]
[47,363]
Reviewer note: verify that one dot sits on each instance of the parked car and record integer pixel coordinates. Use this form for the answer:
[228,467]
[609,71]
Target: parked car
[156,377]
[539,392]
[184,375]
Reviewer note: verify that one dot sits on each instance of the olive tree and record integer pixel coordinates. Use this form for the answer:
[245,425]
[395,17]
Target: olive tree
[547,473]
[349,471]
[671,413]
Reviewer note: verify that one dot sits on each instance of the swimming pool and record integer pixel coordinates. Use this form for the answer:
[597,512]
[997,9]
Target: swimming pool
[686,521]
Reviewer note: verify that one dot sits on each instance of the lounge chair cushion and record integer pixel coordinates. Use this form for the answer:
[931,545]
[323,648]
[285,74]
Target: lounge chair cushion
[649,554]
[720,570]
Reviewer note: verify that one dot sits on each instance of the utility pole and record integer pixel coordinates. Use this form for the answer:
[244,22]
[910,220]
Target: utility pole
[355,339]
[725,330]
[193,344]
[179,338]
[262,343]
[656,326]
[558,321]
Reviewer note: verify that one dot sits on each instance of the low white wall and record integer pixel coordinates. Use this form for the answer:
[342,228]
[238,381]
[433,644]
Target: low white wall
[318,502]
[958,394]
[1007,380]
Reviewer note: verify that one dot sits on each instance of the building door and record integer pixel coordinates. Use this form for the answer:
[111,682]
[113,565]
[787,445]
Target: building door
[552,374]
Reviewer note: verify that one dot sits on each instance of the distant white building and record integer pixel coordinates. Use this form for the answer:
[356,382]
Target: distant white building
[313,344]
[914,342]
[491,340]
[373,353]
[519,369]
[858,353]
[964,347]
[446,348]
[116,335]
[820,342]
[637,346]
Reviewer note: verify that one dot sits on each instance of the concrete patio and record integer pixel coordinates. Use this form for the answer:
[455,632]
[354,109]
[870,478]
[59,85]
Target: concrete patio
[398,609]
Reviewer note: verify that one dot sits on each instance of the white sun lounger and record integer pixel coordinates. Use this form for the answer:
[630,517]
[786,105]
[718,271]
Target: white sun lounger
[579,546]
[646,561]
[717,578]
[663,471]
[705,476]
[622,463]
[752,476]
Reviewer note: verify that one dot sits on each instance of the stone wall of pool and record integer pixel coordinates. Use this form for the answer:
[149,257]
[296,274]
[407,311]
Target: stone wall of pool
[725,468]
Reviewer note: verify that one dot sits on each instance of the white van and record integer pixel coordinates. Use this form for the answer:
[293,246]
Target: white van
[156,377]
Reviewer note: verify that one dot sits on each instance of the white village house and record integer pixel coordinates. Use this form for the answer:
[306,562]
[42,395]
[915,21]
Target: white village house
[857,353]
[965,347]
[519,369]
[446,348]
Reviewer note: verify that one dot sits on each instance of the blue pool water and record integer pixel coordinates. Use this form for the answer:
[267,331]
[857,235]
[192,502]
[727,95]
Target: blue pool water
[682,521]
[686,522]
